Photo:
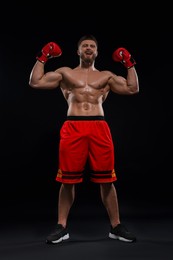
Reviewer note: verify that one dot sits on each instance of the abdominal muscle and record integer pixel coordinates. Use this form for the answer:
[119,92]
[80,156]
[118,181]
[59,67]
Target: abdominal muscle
[85,109]
[82,103]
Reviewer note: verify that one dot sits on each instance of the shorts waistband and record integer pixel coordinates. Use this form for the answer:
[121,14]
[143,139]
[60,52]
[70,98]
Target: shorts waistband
[76,118]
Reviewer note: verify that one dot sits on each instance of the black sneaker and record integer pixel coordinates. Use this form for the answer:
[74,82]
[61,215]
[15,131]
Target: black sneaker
[121,233]
[58,235]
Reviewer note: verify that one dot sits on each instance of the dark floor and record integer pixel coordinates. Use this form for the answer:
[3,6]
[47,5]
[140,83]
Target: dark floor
[25,227]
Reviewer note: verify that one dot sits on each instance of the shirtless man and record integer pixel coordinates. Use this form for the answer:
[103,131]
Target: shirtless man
[85,135]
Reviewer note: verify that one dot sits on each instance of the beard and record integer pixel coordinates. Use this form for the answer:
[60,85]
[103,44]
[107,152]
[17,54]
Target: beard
[88,59]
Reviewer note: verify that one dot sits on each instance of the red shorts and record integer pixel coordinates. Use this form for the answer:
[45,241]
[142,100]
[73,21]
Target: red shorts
[85,139]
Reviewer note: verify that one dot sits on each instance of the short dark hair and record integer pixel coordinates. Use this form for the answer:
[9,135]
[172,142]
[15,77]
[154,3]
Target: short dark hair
[87,37]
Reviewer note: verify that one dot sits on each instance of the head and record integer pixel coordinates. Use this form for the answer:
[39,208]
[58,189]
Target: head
[87,48]
[87,37]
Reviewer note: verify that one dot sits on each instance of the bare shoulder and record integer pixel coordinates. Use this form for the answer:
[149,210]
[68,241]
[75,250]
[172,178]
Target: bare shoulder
[63,69]
[109,75]
[107,72]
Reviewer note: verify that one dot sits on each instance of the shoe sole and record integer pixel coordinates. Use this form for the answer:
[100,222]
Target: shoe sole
[58,240]
[120,238]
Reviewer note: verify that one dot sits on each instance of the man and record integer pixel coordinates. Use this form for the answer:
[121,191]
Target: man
[85,135]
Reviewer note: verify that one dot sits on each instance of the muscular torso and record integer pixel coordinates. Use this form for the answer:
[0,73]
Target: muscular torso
[85,90]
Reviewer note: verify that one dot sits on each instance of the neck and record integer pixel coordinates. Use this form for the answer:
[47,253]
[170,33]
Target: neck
[87,65]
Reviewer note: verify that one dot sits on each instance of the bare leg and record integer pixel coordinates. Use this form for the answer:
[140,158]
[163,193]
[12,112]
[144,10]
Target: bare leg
[66,199]
[110,201]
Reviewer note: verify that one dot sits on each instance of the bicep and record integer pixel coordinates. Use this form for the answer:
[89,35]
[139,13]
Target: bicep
[50,80]
[118,84]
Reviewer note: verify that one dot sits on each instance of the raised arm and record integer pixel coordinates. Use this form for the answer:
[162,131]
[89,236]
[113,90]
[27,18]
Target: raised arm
[119,84]
[38,77]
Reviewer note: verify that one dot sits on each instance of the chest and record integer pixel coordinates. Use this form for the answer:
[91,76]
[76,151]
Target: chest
[88,80]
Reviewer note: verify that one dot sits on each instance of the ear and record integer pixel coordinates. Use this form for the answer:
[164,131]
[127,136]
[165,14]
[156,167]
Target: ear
[78,52]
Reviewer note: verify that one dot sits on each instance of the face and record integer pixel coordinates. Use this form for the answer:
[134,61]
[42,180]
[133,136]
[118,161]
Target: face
[87,51]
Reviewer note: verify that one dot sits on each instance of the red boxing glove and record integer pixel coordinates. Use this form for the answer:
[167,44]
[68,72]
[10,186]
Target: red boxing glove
[50,50]
[123,56]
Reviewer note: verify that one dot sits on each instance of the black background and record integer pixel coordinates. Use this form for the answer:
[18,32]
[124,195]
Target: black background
[141,125]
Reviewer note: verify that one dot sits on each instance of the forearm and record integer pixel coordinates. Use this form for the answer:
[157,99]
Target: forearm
[130,85]
[132,80]
[36,74]
[38,78]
